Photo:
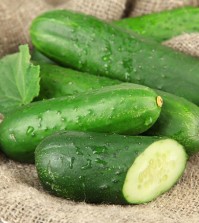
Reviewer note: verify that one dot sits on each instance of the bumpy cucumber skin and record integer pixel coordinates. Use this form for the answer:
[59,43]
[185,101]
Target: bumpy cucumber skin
[179,119]
[164,25]
[90,45]
[123,108]
[88,167]
[57,81]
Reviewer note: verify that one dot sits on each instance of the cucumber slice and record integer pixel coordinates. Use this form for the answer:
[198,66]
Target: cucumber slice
[154,171]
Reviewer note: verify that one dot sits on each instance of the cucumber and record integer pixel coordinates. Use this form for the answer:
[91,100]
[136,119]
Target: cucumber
[123,108]
[179,119]
[57,81]
[91,45]
[163,25]
[108,168]
[40,58]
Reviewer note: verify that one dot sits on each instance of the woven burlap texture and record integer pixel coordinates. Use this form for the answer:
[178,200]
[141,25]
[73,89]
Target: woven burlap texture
[16,16]
[186,43]
[148,6]
[22,199]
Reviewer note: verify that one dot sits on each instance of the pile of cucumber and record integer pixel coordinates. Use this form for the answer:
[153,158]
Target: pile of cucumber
[117,116]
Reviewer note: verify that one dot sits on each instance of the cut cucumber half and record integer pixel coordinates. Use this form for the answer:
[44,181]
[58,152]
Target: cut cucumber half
[108,168]
[154,171]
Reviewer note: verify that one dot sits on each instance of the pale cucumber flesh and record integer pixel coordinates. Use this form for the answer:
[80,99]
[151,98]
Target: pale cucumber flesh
[154,171]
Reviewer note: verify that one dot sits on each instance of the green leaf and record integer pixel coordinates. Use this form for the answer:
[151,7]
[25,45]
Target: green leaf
[19,80]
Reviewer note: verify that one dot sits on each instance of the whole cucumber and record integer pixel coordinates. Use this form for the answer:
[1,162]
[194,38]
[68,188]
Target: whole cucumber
[123,108]
[179,118]
[108,168]
[164,25]
[159,26]
[57,81]
[91,45]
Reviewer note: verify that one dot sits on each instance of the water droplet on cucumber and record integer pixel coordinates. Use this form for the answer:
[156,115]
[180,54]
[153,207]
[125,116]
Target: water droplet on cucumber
[127,76]
[105,58]
[49,170]
[79,151]
[12,137]
[103,187]
[30,130]
[58,113]
[148,121]
[62,119]
[115,180]
[100,161]
[88,165]
[118,172]
[100,150]
[71,162]
[105,65]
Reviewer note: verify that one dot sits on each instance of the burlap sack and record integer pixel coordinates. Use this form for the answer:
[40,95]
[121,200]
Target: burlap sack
[16,16]
[148,6]
[186,43]
[22,199]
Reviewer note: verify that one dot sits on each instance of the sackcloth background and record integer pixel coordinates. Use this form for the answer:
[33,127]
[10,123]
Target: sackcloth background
[22,199]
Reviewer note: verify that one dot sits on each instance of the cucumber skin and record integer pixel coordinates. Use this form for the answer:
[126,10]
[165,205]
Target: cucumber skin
[164,25]
[159,26]
[124,108]
[179,119]
[57,81]
[37,56]
[90,45]
[88,167]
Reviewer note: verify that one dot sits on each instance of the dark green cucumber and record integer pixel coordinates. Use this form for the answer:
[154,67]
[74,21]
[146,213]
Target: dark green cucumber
[40,57]
[58,81]
[164,25]
[88,44]
[108,168]
[159,26]
[123,108]
[179,119]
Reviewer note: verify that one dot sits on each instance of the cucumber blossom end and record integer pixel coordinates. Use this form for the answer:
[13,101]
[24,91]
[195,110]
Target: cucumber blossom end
[159,101]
